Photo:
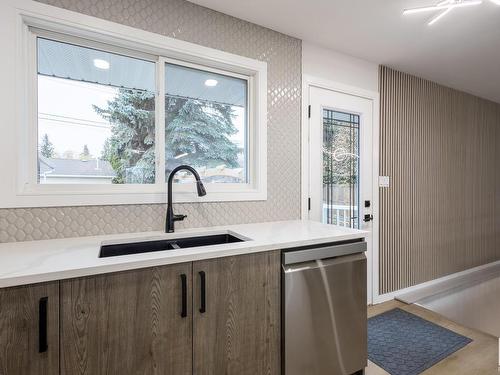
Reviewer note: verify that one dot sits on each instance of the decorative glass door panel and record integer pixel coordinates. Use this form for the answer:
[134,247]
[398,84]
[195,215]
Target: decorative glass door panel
[340,168]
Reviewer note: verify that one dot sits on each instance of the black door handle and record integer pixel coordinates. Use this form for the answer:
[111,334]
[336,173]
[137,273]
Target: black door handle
[183,296]
[203,296]
[42,325]
[368,218]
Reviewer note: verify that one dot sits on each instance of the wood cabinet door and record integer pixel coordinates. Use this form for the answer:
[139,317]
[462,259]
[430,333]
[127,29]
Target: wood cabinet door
[237,315]
[29,330]
[128,323]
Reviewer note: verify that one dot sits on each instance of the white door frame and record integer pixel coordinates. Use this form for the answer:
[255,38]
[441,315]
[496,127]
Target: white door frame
[309,81]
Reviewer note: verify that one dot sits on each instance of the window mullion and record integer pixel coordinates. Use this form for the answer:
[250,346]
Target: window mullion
[160,123]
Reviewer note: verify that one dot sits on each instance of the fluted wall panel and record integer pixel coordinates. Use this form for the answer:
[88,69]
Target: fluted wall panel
[441,149]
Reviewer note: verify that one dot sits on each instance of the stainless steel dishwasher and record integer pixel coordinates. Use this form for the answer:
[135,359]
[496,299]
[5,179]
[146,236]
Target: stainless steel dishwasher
[324,309]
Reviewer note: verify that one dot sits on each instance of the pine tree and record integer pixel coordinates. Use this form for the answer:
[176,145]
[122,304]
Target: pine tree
[194,127]
[46,148]
[201,130]
[85,155]
[130,149]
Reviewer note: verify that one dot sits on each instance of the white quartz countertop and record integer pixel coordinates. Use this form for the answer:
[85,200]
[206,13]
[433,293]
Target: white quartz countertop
[39,261]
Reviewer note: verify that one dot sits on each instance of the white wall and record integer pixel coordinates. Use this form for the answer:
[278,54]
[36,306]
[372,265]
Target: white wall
[329,65]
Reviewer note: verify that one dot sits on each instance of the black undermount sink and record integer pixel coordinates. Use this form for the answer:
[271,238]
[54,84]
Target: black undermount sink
[113,250]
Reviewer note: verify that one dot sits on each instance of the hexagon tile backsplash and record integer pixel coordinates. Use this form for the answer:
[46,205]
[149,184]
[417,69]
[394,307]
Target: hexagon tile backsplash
[27,224]
[183,20]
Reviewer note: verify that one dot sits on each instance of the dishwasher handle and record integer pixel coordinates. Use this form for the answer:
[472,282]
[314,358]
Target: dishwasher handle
[323,263]
[325,252]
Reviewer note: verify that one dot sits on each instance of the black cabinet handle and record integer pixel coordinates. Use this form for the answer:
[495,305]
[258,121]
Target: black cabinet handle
[203,296]
[42,325]
[184,296]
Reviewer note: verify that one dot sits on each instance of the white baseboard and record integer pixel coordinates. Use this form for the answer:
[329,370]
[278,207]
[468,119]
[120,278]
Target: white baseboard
[415,292]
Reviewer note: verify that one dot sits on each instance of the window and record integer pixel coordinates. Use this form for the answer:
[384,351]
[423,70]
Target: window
[206,124]
[96,116]
[96,119]
[103,114]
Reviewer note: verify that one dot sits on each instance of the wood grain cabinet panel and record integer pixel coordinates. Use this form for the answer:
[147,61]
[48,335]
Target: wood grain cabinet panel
[239,332]
[29,330]
[127,323]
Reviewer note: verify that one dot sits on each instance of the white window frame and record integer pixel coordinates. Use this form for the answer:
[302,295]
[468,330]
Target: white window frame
[64,25]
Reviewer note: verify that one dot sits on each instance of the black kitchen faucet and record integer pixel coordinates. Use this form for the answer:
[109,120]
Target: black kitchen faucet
[171,218]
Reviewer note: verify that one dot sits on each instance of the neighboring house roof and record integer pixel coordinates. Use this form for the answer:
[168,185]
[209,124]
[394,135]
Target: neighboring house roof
[75,167]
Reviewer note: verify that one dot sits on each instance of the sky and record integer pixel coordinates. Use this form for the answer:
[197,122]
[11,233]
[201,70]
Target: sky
[66,115]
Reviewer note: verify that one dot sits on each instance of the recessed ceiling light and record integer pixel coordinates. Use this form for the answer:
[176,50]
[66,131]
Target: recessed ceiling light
[101,64]
[211,82]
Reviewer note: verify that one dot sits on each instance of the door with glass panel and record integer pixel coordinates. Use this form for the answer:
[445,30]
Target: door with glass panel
[340,160]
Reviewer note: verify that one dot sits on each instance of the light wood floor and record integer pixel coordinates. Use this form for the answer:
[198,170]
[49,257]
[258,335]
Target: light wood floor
[480,357]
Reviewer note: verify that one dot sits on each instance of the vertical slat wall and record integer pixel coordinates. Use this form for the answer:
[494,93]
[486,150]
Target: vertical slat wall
[441,149]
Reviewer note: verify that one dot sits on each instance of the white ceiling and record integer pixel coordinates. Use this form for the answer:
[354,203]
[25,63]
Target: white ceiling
[462,50]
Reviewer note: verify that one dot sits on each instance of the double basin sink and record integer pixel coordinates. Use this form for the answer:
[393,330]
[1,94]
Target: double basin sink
[112,250]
